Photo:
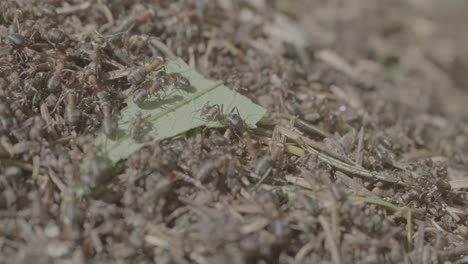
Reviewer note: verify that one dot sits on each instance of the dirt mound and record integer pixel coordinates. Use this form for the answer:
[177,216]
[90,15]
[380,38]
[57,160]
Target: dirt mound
[361,158]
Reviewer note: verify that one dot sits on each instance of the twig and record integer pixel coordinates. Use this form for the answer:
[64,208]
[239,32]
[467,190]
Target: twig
[458,184]
[419,242]
[305,126]
[60,185]
[337,62]
[456,251]
[377,202]
[73,8]
[112,75]
[22,165]
[336,162]
[262,179]
[63,140]
[351,198]
[409,229]
[314,144]
[335,253]
[107,14]
[358,153]
[188,179]
[299,181]
[44,109]
[355,184]
[158,242]
[254,226]
[7,145]
[162,47]
[36,166]
[303,252]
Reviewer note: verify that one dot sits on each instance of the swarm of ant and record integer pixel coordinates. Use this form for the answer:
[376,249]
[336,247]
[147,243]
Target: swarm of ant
[326,177]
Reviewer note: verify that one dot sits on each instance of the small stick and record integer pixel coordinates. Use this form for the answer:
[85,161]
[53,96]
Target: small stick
[336,162]
[314,144]
[162,47]
[72,9]
[337,62]
[60,185]
[419,242]
[305,126]
[250,146]
[409,229]
[358,153]
[335,253]
[36,166]
[188,179]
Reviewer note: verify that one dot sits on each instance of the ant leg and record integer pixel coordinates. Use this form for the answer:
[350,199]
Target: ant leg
[235,109]
[162,68]
[204,109]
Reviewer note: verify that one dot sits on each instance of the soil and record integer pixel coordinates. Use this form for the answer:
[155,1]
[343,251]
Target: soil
[362,156]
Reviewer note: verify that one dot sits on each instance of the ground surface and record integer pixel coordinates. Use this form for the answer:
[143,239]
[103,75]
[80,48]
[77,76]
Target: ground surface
[380,86]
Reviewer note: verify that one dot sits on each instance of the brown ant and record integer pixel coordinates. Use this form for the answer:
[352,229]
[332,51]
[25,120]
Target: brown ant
[93,71]
[72,114]
[36,132]
[56,36]
[178,81]
[138,75]
[109,123]
[212,112]
[54,83]
[142,94]
[137,130]
[234,123]
[232,120]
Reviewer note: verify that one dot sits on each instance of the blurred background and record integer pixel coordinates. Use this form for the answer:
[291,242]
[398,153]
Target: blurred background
[423,42]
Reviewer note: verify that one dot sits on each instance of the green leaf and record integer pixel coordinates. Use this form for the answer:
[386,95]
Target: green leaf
[176,112]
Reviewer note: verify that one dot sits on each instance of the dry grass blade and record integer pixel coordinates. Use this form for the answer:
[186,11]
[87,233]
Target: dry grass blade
[458,184]
[419,242]
[339,164]
[332,244]
[409,229]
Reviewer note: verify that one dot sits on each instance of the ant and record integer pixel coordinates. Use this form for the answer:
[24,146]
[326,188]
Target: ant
[137,129]
[233,121]
[54,83]
[142,94]
[72,113]
[179,82]
[138,75]
[109,124]
[215,112]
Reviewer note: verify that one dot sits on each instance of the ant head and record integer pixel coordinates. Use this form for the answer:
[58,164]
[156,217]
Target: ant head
[234,121]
